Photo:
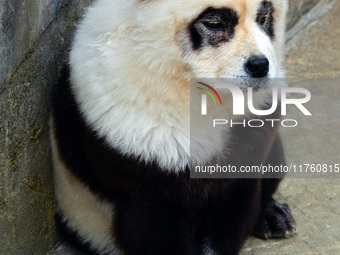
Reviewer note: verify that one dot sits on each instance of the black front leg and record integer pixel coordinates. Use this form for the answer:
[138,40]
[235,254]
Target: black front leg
[232,217]
[276,219]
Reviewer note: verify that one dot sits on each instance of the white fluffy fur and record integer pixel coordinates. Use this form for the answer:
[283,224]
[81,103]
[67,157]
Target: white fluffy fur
[130,68]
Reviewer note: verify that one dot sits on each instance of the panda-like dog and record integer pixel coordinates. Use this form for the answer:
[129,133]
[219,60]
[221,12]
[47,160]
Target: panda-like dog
[120,128]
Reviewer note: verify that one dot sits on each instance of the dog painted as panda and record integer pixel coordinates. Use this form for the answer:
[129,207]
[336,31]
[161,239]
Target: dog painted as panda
[120,128]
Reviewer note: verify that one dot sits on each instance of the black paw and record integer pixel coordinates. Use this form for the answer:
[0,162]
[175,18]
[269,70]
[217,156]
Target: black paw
[275,221]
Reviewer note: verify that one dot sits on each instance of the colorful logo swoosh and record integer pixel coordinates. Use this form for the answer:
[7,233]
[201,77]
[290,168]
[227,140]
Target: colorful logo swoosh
[209,93]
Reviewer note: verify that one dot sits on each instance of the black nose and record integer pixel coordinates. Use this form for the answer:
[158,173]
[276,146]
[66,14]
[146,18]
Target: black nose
[257,67]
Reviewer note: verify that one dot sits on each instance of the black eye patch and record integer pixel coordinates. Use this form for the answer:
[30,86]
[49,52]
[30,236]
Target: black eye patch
[213,27]
[265,18]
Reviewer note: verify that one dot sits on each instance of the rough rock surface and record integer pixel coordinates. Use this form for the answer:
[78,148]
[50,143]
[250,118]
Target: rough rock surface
[34,36]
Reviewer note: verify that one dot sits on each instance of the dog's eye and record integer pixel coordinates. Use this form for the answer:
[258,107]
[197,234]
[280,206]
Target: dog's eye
[263,20]
[214,26]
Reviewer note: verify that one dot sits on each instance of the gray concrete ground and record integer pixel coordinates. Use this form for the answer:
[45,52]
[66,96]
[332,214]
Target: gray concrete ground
[315,203]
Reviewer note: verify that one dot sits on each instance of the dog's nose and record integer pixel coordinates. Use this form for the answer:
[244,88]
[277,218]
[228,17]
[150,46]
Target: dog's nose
[257,67]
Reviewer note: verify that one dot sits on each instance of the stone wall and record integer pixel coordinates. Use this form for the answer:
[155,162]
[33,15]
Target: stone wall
[301,14]
[34,38]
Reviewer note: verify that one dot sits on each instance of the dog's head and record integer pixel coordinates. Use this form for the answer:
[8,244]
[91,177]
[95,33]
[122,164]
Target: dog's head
[183,39]
[221,38]
[240,38]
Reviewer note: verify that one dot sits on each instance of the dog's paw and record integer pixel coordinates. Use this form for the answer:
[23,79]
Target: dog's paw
[276,221]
